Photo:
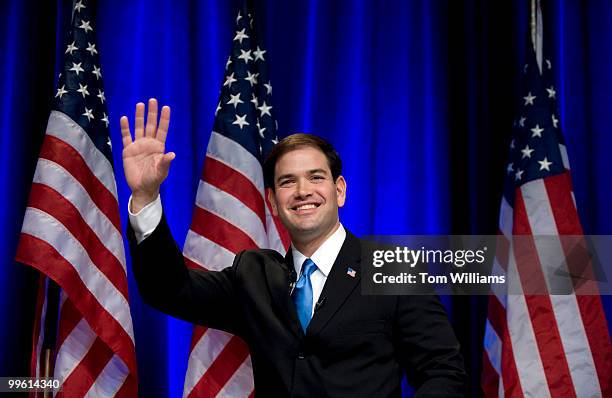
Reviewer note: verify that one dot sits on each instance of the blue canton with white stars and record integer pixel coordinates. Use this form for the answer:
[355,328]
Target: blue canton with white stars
[536,134]
[245,112]
[80,93]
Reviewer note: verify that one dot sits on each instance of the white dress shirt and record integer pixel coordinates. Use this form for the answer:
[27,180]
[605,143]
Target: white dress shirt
[324,257]
[146,220]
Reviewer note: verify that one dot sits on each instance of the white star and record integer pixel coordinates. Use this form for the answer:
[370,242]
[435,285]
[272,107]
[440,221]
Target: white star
[518,174]
[83,90]
[246,56]
[76,68]
[555,121]
[61,92]
[78,6]
[254,100]
[101,96]
[551,92]
[108,140]
[545,164]
[525,68]
[537,131]
[241,35]
[548,64]
[229,61]
[526,152]
[235,100]
[275,140]
[512,144]
[510,169]
[259,54]
[529,99]
[229,80]
[239,17]
[252,78]
[91,48]
[105,120]
[268,88]
[261,129]
[89,114]
[241,121]
[264,109]
[70,48]
[96,71]
[85,26]
[522,121]
[218,108]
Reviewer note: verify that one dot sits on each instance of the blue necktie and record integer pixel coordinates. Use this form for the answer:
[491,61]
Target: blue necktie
[302,293]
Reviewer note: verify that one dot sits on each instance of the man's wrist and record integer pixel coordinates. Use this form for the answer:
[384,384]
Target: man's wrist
[146,220]
[140,201]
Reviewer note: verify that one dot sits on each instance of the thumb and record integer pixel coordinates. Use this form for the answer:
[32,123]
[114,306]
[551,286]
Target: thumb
[164,164]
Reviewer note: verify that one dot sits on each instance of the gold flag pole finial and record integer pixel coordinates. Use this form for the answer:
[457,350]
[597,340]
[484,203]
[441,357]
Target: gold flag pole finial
[536,28]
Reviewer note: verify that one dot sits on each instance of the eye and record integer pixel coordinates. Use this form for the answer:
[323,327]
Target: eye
[317,177]
[285,182]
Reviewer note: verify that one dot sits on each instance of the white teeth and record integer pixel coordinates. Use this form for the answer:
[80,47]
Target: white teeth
[306,207]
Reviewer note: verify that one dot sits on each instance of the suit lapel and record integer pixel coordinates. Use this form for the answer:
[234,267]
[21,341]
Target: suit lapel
[278,276]
[339,283]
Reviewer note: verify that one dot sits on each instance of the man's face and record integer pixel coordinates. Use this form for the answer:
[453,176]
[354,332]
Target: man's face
[306,198]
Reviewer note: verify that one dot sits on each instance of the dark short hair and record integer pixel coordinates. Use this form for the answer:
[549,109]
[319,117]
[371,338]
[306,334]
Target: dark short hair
[296,141]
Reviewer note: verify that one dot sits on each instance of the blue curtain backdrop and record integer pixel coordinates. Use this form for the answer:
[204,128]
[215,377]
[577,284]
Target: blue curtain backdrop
[418,97]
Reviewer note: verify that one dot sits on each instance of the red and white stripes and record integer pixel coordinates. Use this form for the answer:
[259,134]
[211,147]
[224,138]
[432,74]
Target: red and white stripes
[231,214]
[543,345]
[72,233]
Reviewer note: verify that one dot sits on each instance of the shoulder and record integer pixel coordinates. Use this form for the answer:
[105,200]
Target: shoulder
[257,259]
[260,255]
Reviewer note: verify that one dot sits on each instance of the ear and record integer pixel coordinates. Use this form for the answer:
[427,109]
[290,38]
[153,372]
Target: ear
[272,200]
[341,190]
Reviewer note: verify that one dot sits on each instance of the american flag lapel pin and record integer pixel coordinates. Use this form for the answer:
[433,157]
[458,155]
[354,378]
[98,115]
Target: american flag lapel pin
[351,272]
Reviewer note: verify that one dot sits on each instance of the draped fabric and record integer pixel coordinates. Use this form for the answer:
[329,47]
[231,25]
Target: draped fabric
[416,95]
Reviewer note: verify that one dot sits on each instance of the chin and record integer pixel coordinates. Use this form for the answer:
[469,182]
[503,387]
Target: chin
[306,229]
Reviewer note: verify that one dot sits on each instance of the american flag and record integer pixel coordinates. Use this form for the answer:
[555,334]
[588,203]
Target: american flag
[541,345]
[72,234]
[231,211]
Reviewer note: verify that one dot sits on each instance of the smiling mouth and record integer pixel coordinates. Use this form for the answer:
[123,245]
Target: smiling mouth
[307,206]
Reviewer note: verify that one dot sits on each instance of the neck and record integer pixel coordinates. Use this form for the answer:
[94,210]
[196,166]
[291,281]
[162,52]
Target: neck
[308,246]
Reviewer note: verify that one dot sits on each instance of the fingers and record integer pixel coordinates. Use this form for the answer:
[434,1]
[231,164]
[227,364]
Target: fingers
[139,121]
[151,118]
[164,122]
[151,130]
[126,136]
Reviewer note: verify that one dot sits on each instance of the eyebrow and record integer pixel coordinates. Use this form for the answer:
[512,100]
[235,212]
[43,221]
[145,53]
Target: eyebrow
[309,172]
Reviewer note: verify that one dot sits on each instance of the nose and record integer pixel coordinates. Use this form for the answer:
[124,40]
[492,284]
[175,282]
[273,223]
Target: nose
[303,189]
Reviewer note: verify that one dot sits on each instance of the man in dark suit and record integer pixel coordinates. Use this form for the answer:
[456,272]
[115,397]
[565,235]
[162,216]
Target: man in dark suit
[310,331]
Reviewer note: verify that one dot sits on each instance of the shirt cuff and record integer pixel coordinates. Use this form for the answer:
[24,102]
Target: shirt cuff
[146,220]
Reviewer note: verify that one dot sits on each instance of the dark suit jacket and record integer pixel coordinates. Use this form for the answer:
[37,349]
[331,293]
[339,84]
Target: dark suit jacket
[355,346]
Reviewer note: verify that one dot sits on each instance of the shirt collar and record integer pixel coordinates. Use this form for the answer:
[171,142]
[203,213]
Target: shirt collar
[325,256]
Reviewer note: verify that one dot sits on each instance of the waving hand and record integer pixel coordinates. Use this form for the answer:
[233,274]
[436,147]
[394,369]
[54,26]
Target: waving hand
[145,162]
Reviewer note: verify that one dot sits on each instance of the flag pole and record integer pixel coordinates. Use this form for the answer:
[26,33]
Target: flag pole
[50,333]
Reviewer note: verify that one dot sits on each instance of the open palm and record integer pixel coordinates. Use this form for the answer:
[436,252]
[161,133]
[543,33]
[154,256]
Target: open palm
[144,162]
